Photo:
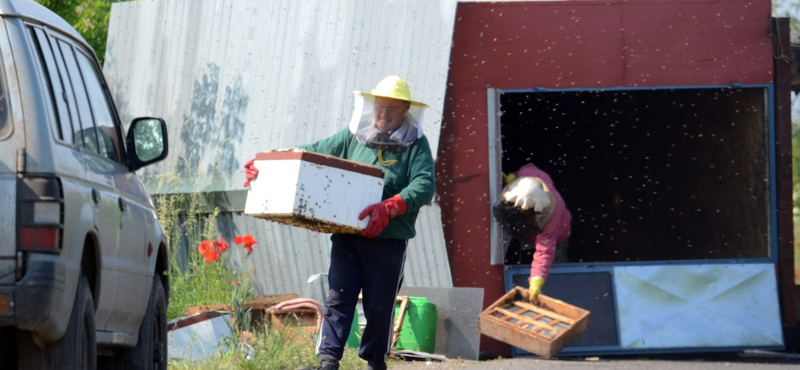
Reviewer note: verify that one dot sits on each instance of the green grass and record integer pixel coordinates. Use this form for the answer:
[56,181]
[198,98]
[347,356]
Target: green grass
[272,349]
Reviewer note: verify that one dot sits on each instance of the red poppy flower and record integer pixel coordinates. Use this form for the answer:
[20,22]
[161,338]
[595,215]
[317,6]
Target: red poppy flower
[248,242]
[211,256]
[205,247]
[222,245]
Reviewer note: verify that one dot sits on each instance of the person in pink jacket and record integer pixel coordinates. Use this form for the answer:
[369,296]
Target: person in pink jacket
[533,210]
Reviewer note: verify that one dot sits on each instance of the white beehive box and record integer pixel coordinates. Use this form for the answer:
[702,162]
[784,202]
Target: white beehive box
[313,191]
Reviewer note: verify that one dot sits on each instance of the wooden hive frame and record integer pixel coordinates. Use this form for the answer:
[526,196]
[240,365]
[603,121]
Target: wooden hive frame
[398,325]
[403,301]
[543,328]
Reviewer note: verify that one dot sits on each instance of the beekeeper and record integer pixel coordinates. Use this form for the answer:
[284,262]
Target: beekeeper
[385,131]
[533,211]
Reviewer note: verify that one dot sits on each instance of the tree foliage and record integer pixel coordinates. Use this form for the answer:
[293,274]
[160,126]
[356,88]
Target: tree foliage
[788,8]
[88,17]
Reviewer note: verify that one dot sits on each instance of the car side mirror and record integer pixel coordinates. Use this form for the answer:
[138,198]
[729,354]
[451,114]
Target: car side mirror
[147,142]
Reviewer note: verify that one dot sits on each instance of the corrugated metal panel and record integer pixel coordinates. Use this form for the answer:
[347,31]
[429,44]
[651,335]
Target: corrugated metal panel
[232,78]
[285,257]
[235,78]
[426,263]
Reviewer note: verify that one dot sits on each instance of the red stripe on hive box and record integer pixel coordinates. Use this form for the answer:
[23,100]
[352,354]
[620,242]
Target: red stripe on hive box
[322,159]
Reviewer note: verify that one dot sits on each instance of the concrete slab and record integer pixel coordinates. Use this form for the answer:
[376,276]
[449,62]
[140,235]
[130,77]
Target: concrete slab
[457,335]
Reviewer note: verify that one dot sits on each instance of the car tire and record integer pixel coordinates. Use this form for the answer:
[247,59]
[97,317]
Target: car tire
[150,352]
[77,349]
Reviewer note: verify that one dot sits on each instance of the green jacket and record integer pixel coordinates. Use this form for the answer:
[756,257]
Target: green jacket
[411,176]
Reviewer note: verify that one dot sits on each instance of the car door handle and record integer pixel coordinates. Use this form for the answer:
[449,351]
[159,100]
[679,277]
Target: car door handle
[123,204]
[95,196]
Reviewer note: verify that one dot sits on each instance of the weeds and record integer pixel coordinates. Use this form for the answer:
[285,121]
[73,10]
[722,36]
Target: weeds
[272,349]
[202,281]
[202,276]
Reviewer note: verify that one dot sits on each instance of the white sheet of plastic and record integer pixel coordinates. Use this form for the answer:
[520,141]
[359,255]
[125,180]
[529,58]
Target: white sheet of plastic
[713,305]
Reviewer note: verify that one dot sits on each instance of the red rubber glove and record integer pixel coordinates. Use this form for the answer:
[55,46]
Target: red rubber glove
[380,213]
[250,171]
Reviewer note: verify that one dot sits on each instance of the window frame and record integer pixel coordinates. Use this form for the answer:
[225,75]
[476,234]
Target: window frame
[40,44]
[106,97]
[53,39]
[85,118]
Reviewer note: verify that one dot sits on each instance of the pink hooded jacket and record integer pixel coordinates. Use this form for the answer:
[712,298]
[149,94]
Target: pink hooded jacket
[556,231]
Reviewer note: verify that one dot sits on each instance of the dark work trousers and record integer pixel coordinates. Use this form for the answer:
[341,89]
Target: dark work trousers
[375,268]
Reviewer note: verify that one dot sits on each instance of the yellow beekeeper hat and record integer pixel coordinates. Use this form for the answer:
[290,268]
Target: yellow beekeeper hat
[393,87]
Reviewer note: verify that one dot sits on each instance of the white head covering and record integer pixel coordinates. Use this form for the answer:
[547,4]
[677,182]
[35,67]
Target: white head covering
[362,125]
[531,193]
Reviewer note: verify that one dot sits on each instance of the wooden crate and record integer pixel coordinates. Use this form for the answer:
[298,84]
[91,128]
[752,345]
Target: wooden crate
[259,303]
[301,318]
[296,324]
[543,328]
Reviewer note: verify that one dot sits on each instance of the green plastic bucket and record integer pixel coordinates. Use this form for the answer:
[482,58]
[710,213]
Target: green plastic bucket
[418,332]
[354,339]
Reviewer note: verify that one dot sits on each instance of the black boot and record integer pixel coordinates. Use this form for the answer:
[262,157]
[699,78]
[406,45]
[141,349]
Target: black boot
[324,365]
[374,365]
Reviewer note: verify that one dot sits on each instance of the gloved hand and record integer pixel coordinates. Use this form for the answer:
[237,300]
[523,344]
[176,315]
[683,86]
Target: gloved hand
[528,193]
[380,213]
[250,171]
[507,179]
[535,287]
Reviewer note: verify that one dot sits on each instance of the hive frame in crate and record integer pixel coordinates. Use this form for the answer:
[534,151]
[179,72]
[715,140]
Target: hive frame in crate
[543,328]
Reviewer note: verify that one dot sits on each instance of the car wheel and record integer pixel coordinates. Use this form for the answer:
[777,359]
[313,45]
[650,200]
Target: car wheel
[150,352]
[77,349]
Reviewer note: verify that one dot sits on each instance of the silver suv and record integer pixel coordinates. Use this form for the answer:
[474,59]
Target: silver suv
[83,258]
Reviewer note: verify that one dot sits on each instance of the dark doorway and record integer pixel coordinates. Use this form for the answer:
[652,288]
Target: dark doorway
[648,175]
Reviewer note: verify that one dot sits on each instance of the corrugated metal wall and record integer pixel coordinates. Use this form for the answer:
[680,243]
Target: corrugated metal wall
[285,257]
[232,78]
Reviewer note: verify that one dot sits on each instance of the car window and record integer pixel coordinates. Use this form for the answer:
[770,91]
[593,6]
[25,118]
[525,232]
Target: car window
[68,95]
[109,138]
[86,136]
[63,123]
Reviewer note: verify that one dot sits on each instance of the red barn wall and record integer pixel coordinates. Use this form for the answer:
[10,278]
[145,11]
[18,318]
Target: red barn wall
[565,44]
